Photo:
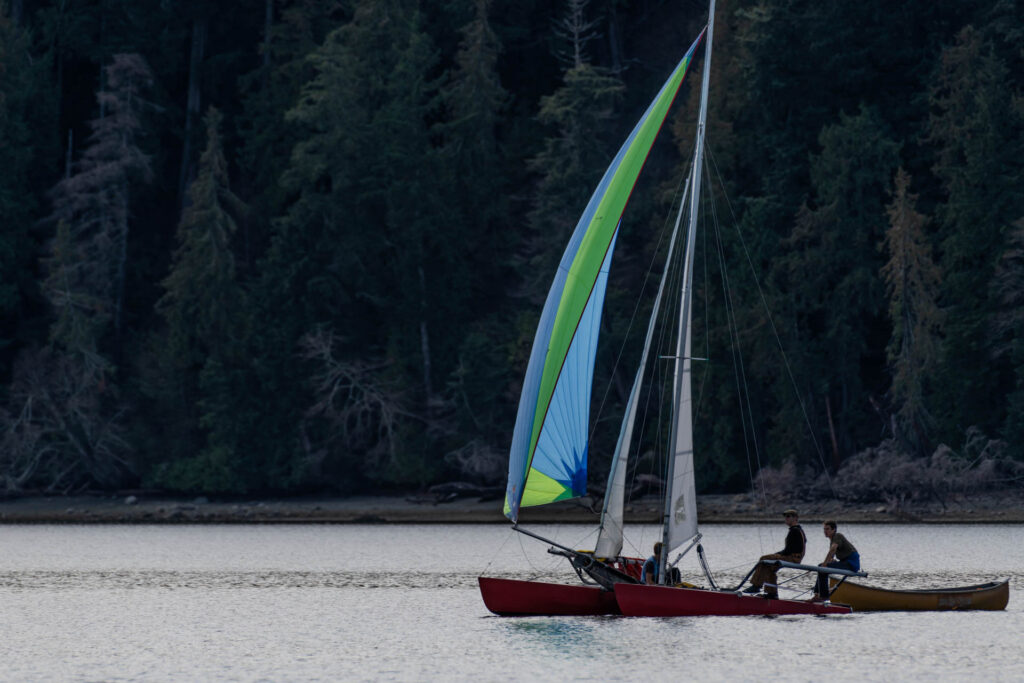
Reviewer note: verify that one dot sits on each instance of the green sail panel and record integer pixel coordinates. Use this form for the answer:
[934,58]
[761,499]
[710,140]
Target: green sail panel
[548,458]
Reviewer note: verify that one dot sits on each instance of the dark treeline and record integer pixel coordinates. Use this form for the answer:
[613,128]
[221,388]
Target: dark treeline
[302,245]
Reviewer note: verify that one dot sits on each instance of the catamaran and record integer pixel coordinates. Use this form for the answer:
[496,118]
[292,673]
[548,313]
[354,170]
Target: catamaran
[548,457]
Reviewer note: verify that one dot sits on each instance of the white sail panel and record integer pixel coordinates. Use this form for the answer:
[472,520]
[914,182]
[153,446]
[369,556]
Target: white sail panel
[682,512]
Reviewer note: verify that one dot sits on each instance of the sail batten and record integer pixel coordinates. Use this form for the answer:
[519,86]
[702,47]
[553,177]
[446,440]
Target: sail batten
[550,440]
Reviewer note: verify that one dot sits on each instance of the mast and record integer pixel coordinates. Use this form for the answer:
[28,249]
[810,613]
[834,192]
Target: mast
[680,461]
[609,536]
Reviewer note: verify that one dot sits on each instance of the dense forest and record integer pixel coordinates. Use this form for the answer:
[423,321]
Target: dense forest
[289,246]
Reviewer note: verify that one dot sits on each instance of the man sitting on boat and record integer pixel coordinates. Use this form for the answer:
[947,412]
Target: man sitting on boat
[649,574]
[844,554]
[796,545]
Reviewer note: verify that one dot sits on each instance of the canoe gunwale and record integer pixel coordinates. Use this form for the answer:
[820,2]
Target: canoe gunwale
[954,589]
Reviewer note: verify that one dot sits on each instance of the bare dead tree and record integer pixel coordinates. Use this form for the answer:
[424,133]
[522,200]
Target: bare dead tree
[62,428]
[93,204]
[362,405]
[60,433]
[479,461]
[576,30]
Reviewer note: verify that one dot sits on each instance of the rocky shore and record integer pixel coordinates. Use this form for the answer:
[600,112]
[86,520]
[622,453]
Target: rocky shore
[140,508]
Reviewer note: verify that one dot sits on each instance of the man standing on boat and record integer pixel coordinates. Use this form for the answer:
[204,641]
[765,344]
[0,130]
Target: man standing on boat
[842,551]
[796,546]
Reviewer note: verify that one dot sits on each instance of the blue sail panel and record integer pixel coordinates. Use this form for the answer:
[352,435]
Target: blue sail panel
[561,452]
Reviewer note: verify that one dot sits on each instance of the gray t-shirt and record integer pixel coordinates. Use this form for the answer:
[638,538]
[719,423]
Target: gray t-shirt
[843,547]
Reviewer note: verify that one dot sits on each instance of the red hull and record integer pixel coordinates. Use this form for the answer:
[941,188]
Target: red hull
[508,597]
[635,600]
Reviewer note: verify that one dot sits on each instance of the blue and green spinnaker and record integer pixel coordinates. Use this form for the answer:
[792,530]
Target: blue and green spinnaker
[548,458]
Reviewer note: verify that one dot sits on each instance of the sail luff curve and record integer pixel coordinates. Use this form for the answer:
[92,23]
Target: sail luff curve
[560,369]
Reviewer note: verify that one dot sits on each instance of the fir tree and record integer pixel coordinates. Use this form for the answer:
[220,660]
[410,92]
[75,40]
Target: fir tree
[203,310]
[574,155]
[975,127]
[268,93]
[15,199]
[912,281]
[475,103]
[832,274]
[202,301]
[361,253]
[1008,332]
[95,205]
[67,409]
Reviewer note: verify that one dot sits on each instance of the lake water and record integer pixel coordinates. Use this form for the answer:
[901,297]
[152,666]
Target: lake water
[374,602]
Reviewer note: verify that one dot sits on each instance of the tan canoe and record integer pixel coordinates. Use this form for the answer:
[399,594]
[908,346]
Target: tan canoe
[989,596]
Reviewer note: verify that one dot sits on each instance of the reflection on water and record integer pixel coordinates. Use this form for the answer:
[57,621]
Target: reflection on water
[554,635]
[401,603]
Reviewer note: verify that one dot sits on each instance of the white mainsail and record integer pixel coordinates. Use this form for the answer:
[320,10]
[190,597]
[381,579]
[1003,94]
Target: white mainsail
[609,537]
[681,524]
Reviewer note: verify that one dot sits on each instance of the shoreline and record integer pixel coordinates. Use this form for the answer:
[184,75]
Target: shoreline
[1006,507]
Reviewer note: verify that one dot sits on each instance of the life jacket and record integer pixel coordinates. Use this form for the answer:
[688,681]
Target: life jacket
[652,560]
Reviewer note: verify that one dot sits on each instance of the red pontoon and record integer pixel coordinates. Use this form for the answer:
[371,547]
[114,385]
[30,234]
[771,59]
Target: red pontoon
[510,598]
[636,600]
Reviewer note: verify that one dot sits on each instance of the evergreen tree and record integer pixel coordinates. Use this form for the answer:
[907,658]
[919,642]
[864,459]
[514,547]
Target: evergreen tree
[67,416]
[201,300]
[94,205]
[20,84]
[831,276]
[474,101]
[912,280]
[361,252]
[1008,332]
[414,170]
[202,308]
[268,93]
[580,114]
[975,129]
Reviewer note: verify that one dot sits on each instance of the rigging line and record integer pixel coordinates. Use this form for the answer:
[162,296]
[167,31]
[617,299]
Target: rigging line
[668,381]
[738,369]
[657,381]
[778,339]
[526,557]
[729,570]
[672,264]
[731,328]
[498,551]
[791,579]
[743,387]
[707,318]
[636,307]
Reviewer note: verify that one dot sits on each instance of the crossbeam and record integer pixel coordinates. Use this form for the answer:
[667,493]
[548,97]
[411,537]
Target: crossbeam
[813,568]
